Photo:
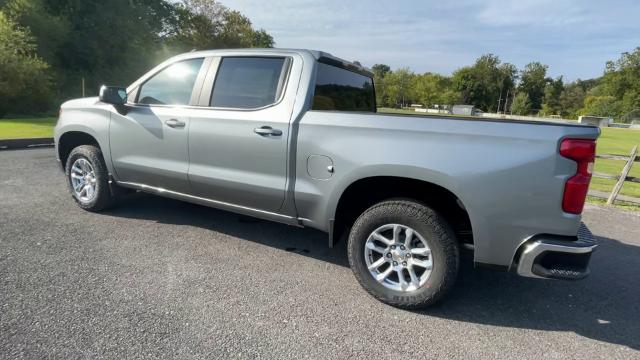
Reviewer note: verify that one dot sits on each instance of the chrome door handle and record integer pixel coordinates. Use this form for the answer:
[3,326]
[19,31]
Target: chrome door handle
[267,131]
[174,123]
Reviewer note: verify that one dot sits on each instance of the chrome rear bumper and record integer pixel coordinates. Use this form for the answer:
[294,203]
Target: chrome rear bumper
[557,257]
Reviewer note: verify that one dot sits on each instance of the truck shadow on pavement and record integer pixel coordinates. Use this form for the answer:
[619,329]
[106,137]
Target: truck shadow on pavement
[603,307]
[306,242]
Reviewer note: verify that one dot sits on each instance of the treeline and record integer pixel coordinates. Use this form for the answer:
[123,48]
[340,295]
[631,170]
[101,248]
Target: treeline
[494,86]
[49,48]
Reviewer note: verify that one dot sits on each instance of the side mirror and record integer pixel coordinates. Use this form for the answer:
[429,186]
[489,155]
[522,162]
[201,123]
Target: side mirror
[114,95]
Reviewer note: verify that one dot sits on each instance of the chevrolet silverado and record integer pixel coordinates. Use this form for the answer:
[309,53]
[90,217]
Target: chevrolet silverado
[293,136]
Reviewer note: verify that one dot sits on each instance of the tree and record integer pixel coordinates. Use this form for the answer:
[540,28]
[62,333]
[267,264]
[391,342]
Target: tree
[619,90]
[533,80]
[433,89]
[262,39]
[485,83]
[101,42]
[521,104]
[571,100]
[380,71]
[623,75]
[23,75]
[606,106]
[236,30]
[114,42]
[551,104]
[207,24]
[399,89]
[48,30]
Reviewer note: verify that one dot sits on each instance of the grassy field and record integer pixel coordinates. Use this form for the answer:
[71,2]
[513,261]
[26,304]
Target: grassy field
[26,128]
[615,141]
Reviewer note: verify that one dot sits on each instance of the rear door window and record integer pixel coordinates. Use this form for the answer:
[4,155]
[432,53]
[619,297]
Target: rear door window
[248,82]
[171,86]
[344,90]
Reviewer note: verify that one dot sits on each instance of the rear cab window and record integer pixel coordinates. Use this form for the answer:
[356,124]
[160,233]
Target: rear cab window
[249,82]
[342,89]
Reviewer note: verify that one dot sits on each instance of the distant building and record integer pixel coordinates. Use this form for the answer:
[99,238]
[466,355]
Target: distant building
[464,110]
[436,109]
[595,120]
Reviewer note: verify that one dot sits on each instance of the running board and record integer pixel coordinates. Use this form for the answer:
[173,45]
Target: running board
[238,209]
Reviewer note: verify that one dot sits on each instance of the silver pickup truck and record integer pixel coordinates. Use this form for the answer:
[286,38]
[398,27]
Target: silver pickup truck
[293,136]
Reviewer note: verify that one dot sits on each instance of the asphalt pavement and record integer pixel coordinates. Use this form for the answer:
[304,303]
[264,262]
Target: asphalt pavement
[158,278]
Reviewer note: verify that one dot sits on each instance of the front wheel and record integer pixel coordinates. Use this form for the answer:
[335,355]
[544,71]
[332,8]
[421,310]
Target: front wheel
[403,253]
[88,178]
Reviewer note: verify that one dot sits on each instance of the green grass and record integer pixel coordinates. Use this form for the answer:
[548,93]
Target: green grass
[27,128]
[620,205]
[616,141]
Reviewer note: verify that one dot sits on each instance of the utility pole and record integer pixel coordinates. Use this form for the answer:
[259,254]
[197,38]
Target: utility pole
[500,98]
[402,89]
[83,86]
[506,100]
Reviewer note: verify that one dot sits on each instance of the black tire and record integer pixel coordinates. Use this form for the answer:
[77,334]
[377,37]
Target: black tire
[103,198]
[435,231]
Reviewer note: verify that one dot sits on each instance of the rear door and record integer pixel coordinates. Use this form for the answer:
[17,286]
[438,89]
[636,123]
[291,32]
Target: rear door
[149,143]
[238,140]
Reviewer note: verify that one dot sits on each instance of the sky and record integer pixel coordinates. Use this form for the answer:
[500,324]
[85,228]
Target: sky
[574,37]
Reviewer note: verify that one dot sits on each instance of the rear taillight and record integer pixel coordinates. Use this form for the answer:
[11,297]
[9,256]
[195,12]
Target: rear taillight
[583,152]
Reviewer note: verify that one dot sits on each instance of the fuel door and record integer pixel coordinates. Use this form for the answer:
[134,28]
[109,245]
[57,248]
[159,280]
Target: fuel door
[320,167]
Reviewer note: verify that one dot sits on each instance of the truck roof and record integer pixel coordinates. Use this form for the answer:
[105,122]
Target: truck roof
[318,55]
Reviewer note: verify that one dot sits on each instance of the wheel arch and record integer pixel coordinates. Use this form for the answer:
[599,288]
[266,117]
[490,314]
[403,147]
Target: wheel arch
[72,139]
[363,192]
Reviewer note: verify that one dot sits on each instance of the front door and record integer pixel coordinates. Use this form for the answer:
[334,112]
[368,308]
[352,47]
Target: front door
[149,143]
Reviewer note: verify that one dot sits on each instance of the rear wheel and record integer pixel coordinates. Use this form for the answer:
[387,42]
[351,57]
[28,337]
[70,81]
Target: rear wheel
[403,253]
[88,178]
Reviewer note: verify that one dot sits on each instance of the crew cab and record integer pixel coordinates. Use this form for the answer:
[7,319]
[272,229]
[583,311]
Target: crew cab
[293,136]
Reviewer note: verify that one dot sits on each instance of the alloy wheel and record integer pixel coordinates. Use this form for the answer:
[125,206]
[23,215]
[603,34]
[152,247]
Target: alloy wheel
[83,180]
[398,257]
